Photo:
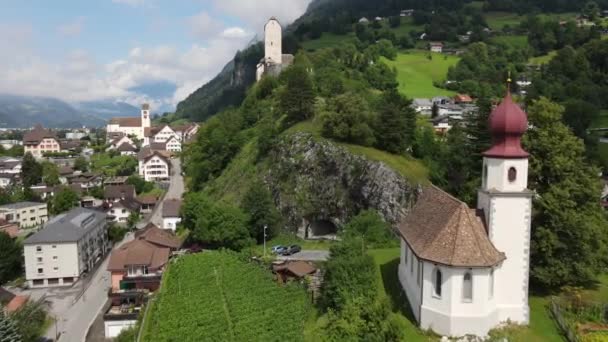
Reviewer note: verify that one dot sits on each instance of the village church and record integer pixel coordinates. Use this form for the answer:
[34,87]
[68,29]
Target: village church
[465,271]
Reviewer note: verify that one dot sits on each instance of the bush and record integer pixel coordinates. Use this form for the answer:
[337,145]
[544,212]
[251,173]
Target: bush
[369,225]
[223,225]
[347,119]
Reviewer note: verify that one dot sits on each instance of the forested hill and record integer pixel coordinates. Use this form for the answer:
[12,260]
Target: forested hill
[441,20]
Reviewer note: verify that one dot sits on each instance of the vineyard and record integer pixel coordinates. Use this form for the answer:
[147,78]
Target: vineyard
[215,296]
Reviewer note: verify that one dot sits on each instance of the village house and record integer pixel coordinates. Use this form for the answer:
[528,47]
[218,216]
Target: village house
[406,13]
[436,47]
[11,302]
[292,270]
[422,106]
[147,203]
[120,211]
[86,180]
[190,132]
[10,165]
[136,269]
[363,20]
[173,144]
[118,180]
[134,126]
[39,141]
[25,214]
[8,179]
[171,213]
[115,193]
[69,245]
[154,166]
[118,141]
[462,99]
[127,149]
[465,270]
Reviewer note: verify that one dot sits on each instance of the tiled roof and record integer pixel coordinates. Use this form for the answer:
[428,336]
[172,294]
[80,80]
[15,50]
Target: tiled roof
[119,191]
[444,230]
[126,122]
[128,203]
[297,268]
[171,208]
[147,199]
[36,135]
[160,237]
[138,252]
[126,147]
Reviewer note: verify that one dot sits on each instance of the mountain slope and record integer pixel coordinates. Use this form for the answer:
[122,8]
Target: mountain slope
[106,110]
[25,111]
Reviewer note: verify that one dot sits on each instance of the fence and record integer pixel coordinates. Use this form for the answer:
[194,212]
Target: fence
[566,327]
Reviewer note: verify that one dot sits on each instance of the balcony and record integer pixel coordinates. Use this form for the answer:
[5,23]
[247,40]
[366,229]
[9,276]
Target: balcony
[123,312]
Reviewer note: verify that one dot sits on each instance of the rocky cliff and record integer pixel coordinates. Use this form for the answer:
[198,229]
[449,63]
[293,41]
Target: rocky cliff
[318,185]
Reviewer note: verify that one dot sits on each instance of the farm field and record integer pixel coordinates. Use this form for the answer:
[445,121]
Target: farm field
[544,59]
[216,296]
[416,72]
[516,41]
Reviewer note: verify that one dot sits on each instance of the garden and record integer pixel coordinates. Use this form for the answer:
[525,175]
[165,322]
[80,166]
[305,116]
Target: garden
[580,316]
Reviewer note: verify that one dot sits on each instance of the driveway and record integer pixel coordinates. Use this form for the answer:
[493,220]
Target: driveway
[175,190]
[307,255]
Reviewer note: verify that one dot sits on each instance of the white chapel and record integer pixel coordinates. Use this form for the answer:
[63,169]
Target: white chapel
[274,60]
[136,126]
[463,270]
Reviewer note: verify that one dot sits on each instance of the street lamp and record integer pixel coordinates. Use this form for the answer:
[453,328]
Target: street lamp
[265,227]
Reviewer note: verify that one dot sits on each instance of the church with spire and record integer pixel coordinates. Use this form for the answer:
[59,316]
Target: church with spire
[465,270]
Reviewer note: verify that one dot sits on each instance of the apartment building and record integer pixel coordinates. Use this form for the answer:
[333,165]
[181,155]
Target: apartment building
[69,245]
[25,214]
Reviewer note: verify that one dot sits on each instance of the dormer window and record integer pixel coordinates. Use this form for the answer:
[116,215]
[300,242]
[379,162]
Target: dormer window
[512,175]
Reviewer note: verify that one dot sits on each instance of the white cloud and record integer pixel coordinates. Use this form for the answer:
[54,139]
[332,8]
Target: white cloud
[133,3]
[71,29]
[203,25]
[236,32]
[255,13]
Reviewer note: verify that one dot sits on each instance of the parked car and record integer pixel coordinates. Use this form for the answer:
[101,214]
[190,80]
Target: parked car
[278,249]
[293,249]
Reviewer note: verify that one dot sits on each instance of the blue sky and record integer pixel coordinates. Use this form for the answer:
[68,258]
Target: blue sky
[126,50]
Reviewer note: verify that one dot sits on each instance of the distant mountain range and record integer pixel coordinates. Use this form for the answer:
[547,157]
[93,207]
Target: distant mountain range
[26,111]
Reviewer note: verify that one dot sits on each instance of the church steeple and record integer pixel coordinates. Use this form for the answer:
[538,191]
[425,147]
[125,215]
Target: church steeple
[508,123]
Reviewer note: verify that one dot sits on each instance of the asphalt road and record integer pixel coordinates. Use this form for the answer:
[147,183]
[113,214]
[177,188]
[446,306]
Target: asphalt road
[307,255]
[76,310]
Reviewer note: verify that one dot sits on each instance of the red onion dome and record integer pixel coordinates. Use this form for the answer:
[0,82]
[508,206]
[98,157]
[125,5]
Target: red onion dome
[508,123]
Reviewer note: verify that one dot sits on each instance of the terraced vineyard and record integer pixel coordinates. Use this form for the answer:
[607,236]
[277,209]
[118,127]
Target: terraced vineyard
[215,296]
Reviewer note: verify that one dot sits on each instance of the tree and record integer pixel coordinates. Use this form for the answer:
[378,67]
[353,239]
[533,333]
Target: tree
[81,164]
[579,115]
[591,10]
[8,329]
[434,111]
[31,171]
[195,204]
[349,274]
[140,185]
[569,227]
[457,160]
[223,226]
[394,21]
[116,233]
[30,320]
[298,99]
[370,226]
[405,42]
[347,119]
[396,123]
[381,76]
[132,220]
[258,204]
[50,174]
[11,258]
[64,200]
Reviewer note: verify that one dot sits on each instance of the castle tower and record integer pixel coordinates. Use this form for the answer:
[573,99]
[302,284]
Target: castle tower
[507,206]
[145,116]
[273,37]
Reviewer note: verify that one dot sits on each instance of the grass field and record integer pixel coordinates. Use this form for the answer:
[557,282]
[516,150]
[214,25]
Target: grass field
[544,59]
[541,328]
[515,41]
[498,20]
[601,121]
[416,73]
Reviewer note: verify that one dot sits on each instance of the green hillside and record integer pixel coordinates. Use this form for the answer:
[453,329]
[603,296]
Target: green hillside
[416,72]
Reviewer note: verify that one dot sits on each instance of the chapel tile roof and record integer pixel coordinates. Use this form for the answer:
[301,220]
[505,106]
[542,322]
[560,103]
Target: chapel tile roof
[444,230]
[126,122]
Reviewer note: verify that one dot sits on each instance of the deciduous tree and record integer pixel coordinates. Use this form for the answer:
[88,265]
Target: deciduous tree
[11,258]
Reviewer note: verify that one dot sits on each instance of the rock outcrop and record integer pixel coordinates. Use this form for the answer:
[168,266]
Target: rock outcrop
[316,181]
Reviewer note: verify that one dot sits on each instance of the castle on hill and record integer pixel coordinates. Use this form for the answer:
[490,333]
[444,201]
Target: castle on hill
[274,60]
